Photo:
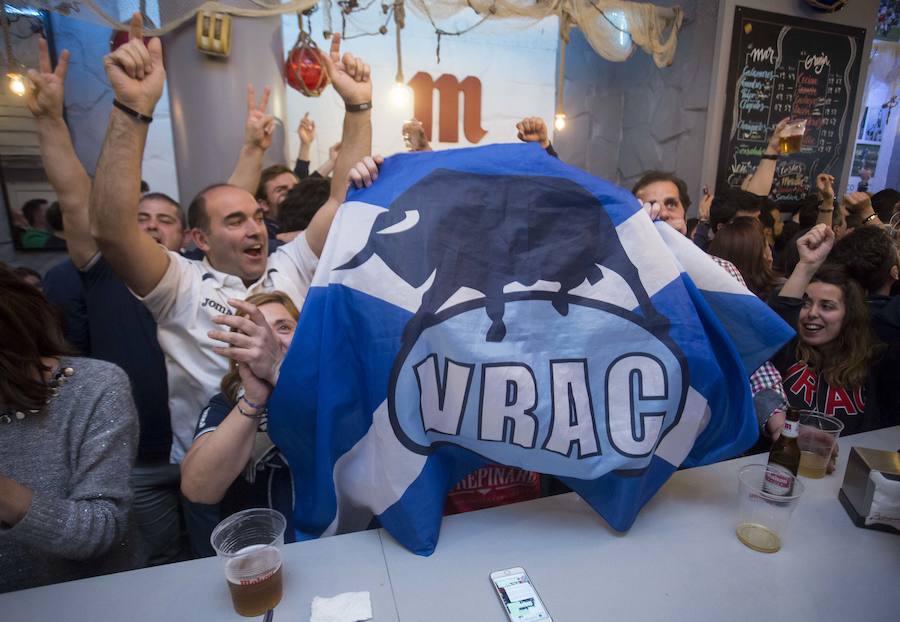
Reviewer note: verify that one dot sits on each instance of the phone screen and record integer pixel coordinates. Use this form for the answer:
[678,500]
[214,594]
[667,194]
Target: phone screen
[519,598]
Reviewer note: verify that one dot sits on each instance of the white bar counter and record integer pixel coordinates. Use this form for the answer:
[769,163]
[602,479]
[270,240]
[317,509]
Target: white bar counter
[680,561]
[196,591]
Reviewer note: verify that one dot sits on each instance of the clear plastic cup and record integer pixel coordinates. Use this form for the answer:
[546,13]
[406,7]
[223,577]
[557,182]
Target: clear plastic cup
[816,439]
[249,543]
[791,138]
[763,517]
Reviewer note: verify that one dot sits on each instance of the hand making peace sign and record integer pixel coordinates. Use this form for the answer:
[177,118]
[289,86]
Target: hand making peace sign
[45,97]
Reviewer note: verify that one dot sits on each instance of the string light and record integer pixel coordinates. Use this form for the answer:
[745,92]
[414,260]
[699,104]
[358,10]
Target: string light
[440,32]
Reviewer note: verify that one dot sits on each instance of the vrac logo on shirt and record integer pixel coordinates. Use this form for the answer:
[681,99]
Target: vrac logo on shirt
[535,343]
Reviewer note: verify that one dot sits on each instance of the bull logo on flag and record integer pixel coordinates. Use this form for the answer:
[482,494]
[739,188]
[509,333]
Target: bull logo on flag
[463,376]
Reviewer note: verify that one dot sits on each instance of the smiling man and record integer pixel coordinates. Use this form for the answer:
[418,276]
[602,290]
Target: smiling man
[274,184]
[160,217]
[183,295]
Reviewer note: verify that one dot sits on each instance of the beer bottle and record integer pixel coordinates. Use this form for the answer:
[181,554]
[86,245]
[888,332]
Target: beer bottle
[784,456]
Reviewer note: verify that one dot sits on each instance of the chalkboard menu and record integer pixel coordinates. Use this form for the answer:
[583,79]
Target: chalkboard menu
[784,66]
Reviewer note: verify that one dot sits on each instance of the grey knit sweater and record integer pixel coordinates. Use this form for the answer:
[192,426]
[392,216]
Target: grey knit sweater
[76,456]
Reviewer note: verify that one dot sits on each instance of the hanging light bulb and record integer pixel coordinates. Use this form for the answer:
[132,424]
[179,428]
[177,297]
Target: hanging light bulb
[400,94]
[16,79]
[559,122]
[16,84]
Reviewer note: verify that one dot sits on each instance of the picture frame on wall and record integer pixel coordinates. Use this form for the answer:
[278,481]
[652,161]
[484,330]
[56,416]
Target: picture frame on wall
[876,122]
[864,157]
[887,25]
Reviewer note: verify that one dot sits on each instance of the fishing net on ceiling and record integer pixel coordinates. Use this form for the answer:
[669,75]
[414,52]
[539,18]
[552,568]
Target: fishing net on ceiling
[613,28]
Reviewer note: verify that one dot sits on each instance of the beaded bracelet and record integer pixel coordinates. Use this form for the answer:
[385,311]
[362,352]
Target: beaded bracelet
[251,404]
[257,416]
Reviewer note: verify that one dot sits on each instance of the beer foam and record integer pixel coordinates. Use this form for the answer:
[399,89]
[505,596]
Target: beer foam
[253,564]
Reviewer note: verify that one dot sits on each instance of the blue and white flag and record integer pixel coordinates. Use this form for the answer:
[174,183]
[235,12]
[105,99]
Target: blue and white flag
[496,305]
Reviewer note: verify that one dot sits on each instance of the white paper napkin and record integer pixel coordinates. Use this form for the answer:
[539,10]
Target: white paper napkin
[885,508]
[346,607]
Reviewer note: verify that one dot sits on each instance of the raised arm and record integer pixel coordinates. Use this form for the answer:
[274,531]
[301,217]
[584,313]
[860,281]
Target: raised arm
[813,248]
[860,203]
[306,132]
[137,76]
[825,186]
[65,172]
[258,130]
[533,130]
[350,77]
[325,169]
[761,182]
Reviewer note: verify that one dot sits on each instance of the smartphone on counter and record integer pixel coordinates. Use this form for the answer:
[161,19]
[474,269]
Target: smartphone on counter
[518,596]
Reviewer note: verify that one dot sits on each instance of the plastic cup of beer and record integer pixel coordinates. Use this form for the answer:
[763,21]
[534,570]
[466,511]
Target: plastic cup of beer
[817,437]
[762,516]
[249,543]
[791,138]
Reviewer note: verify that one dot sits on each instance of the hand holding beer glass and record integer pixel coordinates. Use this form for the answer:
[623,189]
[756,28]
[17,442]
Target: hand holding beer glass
[790,138]
[249,543]
[414,136]
[818,443]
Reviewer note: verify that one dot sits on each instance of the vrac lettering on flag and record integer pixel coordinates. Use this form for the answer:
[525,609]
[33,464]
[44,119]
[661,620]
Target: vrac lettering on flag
[493,305]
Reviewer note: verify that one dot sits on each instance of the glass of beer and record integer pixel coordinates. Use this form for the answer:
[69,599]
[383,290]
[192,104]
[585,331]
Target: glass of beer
[791,138]
[817,438]
[762,516]
[249,543]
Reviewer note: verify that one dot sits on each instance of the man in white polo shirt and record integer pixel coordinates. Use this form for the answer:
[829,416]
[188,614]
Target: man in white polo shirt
[185,295]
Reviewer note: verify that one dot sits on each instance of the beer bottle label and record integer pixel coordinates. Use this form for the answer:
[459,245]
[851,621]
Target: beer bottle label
[778,481]
[791,428]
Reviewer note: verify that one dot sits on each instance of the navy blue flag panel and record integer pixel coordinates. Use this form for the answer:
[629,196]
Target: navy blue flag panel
[496,305]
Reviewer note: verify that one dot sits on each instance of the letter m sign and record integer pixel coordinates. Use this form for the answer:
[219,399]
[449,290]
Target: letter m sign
[448,88]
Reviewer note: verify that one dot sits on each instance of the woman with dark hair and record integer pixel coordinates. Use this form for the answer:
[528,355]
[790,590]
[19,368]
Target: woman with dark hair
[832,366]
[743,243]
[232,461]
[68,435]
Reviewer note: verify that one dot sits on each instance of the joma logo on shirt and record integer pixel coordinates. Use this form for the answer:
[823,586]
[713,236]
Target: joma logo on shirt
[218,306]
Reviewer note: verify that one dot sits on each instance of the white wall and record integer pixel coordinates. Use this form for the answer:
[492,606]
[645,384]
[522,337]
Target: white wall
[516,66]
[859,13]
